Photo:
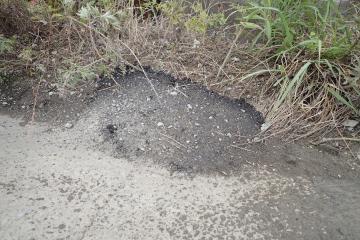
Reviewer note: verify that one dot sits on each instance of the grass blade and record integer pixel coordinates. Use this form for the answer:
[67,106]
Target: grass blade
[295,81]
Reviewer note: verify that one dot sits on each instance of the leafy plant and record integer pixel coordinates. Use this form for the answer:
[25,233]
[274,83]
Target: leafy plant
[195,18]
[174,10]
[102,20]
[311,42]
[76,73]
[6,44]
[201,20]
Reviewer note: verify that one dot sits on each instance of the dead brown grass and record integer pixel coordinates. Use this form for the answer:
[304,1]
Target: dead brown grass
[14,17]
[68,43]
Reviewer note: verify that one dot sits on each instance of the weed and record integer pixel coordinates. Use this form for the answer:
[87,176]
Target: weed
[313,48]
[303,55]
[174,10]
[6,44]
[195,18]
[201,20]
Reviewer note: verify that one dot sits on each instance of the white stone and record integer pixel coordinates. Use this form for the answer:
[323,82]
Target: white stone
[196,43]
[350,123]
[265,126]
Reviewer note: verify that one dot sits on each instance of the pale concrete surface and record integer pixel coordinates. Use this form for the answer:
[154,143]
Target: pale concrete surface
[55,185]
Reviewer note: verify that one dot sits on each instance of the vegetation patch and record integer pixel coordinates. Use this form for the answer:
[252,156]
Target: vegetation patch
[297,60]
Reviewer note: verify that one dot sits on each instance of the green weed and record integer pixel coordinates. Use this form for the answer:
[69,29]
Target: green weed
[6,44]
[314,47]
[195,18]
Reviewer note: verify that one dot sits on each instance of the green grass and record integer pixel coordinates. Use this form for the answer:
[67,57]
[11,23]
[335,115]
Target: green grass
[310,49]
[313,47]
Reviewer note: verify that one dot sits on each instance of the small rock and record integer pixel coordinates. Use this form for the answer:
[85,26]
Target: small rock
[160,124]
[173,93]
[211,117]
[242,110]
[265,126]
[41,105]
[51,93]
[62,226]
[350,123]
[111,128]
[235,59]
[69,125]
[256,139]
[197,124]
[196,43]
[4,103]
[189,106]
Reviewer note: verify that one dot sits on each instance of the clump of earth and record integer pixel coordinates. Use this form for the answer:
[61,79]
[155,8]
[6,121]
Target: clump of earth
[176,124]
[180,124]
[162,159]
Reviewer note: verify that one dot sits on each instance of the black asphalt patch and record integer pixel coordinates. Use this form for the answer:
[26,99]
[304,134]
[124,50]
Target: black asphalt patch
[180,124]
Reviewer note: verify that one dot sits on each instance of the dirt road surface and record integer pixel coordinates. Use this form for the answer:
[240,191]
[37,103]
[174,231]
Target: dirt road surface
[135,164]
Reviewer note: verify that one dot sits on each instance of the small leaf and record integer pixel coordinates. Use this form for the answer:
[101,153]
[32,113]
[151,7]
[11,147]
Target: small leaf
[250,25]
[295,81]
[341,99]
[268,30]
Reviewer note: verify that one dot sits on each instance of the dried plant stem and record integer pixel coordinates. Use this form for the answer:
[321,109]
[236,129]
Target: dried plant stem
[324,140]
[228,54]
[131,51]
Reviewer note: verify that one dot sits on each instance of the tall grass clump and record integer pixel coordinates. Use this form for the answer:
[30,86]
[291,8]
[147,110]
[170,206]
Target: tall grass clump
[312,51]
[298,59]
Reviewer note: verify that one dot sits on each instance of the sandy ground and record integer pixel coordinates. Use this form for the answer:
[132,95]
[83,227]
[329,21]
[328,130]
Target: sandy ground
[105,178]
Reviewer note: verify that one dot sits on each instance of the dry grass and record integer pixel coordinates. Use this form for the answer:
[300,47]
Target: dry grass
[14,17]
[66,51]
